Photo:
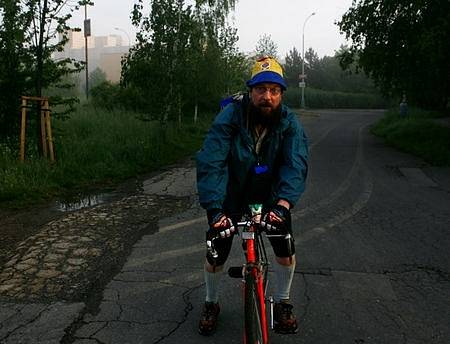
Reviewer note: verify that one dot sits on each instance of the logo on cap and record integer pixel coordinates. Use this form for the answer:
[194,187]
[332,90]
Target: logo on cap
[265,65]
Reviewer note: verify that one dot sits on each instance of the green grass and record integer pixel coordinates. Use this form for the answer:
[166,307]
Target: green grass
[95,147]
[417,134]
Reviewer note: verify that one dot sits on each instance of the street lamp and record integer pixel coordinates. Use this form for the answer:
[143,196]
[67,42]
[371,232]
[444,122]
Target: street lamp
[87,33]
[126,33]
[303,84]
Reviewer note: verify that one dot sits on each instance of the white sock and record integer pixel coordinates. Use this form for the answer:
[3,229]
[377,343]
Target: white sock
[212,280]
[283,280]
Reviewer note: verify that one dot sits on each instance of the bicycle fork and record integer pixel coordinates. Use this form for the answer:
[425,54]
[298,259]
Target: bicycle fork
[238,272]
[265,303]
[262,302]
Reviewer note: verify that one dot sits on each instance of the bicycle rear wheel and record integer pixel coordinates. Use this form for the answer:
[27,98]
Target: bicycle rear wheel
[255,320]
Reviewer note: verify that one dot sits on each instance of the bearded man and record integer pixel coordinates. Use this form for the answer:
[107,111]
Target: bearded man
[255,152]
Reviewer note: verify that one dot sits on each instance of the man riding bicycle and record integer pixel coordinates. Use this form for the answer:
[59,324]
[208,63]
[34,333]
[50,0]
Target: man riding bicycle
[255,152]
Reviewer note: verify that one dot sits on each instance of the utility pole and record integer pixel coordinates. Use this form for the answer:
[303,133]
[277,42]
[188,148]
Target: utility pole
[87,33]
[303,76]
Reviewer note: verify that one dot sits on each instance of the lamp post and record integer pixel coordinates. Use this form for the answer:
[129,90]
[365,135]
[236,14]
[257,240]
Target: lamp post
[303,84]
[87,33]
[126,33]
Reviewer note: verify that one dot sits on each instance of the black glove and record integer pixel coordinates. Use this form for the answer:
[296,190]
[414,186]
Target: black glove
[219,223]
[275,219]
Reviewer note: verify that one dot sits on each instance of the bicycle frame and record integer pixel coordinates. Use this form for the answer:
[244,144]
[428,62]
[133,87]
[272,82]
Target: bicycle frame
[256,265]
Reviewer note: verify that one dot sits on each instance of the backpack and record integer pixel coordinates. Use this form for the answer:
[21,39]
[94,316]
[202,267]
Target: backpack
[234,98]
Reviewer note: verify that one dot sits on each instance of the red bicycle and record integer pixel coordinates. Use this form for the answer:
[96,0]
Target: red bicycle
[254,274]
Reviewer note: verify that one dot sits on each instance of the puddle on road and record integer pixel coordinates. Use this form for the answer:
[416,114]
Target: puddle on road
[82,201]
[150,184]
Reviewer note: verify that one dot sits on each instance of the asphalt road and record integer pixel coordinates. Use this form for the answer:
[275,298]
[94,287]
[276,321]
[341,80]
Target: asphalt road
[373,253]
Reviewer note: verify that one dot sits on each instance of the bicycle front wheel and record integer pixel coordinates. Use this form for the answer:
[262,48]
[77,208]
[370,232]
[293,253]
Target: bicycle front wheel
[255,318]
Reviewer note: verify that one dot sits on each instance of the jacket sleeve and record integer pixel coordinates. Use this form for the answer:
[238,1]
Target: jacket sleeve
[294,167]
[212,171]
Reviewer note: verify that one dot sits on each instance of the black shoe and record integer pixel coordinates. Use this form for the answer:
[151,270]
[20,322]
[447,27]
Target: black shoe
[284,320]
[208,319]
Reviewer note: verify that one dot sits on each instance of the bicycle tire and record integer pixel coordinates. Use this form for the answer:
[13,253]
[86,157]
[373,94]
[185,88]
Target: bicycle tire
[253,326]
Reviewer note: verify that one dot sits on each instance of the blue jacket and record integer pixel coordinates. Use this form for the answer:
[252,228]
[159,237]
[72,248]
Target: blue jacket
[227,159]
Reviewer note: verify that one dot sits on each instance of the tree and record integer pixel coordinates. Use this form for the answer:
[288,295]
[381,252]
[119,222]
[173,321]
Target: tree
[292,67]
[154,65]
[325,73]
[403,45]
[28,37]
[182,56]
[13,74]
[266,47]
[97,77]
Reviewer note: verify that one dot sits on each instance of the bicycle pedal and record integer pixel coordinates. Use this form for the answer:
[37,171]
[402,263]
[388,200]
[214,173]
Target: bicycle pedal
[235,272]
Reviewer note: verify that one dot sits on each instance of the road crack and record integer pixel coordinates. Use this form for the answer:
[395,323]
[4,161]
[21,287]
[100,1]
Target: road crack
[187,310]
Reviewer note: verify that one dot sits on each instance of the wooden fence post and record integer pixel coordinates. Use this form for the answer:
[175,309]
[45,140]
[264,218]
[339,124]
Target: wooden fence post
[49,130]
[45,132]
[22,129]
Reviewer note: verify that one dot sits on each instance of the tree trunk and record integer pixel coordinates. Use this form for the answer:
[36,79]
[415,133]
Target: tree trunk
[195,112]
[40,50]
[39,71]
[170,96]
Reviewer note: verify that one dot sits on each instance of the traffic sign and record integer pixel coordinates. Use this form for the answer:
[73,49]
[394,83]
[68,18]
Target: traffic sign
[302,84]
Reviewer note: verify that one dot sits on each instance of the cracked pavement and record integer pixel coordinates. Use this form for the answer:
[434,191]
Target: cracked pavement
[372,244]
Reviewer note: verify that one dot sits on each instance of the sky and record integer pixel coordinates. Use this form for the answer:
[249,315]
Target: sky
[281,19]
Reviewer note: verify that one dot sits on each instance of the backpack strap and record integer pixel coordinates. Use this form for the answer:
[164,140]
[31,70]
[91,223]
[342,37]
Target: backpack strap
[234,98]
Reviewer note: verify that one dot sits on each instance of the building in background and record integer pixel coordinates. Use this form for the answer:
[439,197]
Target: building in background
[105,52]
[110,63]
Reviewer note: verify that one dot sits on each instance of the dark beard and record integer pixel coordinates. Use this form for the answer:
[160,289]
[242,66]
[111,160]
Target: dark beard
[258,117]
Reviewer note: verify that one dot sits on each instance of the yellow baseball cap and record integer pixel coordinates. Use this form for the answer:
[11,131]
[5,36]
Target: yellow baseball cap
[267,69]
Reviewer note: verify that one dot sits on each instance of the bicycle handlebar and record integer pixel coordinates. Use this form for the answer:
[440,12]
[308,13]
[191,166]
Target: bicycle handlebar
[242,224]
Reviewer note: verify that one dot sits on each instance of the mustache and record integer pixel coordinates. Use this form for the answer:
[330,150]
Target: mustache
[256,115]
[264,105]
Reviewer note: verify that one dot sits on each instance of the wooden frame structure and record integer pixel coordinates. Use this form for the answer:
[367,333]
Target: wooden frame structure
[46,127]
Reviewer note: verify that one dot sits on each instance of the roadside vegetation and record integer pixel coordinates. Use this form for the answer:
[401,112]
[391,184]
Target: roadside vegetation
[390,42]
[323,99]
[95,147]
[185,59]
[417,133]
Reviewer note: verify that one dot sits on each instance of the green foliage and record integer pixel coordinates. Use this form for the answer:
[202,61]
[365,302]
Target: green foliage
[29,34]
[328,86]
[185,57]
[13,74]
[96,77]
[106,95]
[325,73]
[403,45]
[266,47]
[292,67]
[96,146]
[320,99]
[112,96]
[417,134]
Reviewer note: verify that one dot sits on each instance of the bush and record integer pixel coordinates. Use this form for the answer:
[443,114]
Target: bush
[105,95]
[416,134]
[96,146]
[319,99]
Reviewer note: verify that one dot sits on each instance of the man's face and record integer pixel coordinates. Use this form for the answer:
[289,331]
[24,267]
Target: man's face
[266,97]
